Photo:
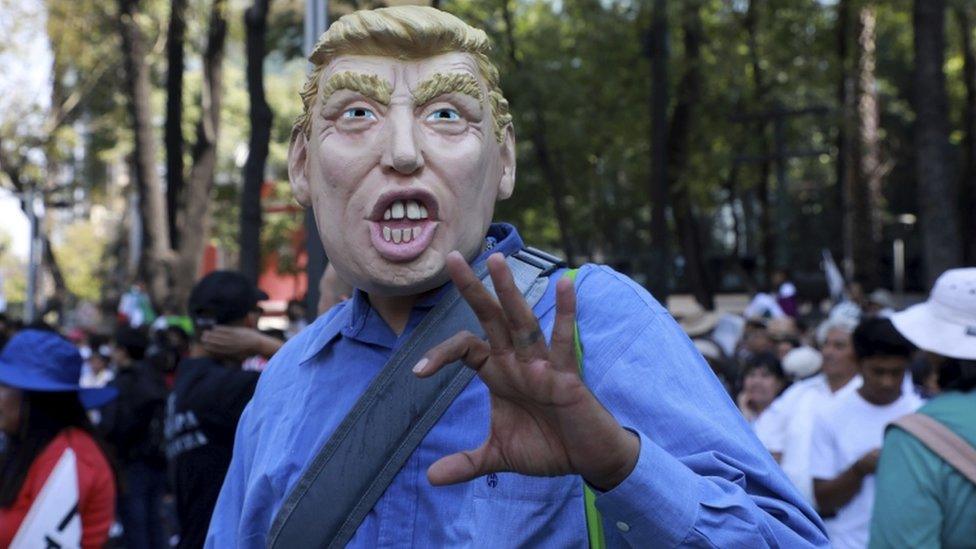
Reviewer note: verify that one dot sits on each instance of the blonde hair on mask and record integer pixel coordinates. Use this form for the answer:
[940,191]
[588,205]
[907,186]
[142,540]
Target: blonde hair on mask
[404,32]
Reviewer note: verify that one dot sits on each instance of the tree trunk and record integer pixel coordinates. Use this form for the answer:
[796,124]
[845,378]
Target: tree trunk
[866,199]
[255,21]
[656,42]
[153,262]
[967,183]
[679,144]
[939,224]
[551,171]
[175,38]
[48,260]
[845,148]
[200,182]
[767,246]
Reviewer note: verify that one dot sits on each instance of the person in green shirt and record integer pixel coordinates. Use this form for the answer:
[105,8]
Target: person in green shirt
[920,500]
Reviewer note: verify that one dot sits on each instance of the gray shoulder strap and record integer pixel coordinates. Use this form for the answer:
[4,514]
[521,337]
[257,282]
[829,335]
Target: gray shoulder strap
[353,469]
[944,443]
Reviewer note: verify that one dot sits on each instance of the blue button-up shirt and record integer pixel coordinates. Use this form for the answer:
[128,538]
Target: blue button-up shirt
[702,478]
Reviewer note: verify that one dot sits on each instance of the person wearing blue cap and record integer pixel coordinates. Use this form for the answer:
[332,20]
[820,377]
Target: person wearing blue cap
[42,412]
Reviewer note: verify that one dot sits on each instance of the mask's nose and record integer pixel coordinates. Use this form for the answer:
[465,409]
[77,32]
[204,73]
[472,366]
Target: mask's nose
[402,151]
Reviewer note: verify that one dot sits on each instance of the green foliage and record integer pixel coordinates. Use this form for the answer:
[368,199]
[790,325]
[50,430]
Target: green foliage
[13,272]
[81,249]
[577,75]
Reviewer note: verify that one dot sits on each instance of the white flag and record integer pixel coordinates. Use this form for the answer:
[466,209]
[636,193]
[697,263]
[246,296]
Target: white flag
[53,520]
[835,280]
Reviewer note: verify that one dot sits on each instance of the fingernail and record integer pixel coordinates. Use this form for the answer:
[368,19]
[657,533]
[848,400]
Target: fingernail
[419,367]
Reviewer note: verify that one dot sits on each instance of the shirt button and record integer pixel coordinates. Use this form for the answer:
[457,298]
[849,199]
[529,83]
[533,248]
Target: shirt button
[623,526]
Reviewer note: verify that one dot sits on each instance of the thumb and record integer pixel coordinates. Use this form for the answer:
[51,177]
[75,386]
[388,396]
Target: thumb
[459,467]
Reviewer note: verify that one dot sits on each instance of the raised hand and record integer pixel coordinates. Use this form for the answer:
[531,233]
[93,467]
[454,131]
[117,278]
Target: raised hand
[544,420]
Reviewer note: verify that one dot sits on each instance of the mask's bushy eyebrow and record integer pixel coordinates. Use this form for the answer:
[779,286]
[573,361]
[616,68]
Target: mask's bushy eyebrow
[440,84]
[369,85]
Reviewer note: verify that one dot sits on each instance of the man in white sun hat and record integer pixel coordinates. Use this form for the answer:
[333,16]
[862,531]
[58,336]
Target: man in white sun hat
[926,478]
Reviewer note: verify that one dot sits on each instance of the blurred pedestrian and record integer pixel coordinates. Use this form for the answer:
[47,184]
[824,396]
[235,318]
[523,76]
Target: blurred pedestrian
[756,340]
[785,292]
[4,329]
[57,488]
[96,370]
[786,428]
[133,425]
[847,436]
[785,335]
[723,368]
[295,311]
[209,396]
[762,381]
[923,496]
[880,303]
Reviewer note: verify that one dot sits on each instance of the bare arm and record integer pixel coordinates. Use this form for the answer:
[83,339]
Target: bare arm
[837,492]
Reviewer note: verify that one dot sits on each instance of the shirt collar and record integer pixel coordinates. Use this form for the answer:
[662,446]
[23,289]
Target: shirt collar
[352,314]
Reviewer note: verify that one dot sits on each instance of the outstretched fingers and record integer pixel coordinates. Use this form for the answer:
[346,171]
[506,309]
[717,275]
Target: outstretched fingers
[562,350]
[471,350]
[484,305]
[526,336]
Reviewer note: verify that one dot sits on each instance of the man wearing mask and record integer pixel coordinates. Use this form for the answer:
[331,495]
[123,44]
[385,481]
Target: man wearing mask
[405,146]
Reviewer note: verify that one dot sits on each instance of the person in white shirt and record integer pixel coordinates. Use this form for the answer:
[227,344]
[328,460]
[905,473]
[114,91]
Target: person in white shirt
[786,427]
[847,436]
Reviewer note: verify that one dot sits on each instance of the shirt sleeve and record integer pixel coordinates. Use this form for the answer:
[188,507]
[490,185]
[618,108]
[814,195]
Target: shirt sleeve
[770,426]
[907,509]
[96,485]
[824,460]
[702,478]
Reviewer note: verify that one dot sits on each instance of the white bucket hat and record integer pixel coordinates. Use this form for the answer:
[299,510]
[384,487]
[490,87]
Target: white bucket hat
[946,323]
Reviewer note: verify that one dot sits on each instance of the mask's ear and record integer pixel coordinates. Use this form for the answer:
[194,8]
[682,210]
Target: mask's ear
[507,183]
[297,171]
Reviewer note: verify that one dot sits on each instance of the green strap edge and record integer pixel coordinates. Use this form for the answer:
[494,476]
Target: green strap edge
[594,521]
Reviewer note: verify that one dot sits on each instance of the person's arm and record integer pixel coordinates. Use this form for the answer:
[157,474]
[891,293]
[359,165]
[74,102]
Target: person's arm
[97,501]
[832,494]
[702,478]
[239,341]
[908,508]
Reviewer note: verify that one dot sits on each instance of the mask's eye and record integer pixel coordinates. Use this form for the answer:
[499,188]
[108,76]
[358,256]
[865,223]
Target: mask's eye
[449,115]
[359,113]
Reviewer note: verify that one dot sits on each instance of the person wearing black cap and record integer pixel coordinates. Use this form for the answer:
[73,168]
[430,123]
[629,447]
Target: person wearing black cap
[208,397]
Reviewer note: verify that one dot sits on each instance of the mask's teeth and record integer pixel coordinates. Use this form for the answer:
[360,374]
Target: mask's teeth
[416,232]
[387,214]
[423,212]
[386,234]
[397,210]
[413,209]
[397,235]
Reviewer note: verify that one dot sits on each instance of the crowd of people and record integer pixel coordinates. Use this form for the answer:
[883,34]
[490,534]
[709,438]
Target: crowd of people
[822,398]
[147,412]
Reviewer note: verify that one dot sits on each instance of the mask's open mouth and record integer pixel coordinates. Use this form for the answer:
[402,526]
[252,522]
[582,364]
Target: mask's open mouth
[403,223]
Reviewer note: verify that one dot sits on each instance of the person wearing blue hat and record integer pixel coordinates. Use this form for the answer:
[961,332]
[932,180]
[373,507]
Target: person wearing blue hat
[42,412]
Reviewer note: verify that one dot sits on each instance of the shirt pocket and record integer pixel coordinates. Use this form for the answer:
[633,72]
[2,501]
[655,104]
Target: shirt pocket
[512,510]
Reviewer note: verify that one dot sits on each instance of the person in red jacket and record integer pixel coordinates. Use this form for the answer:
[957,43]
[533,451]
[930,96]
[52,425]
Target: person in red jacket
[56,484]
